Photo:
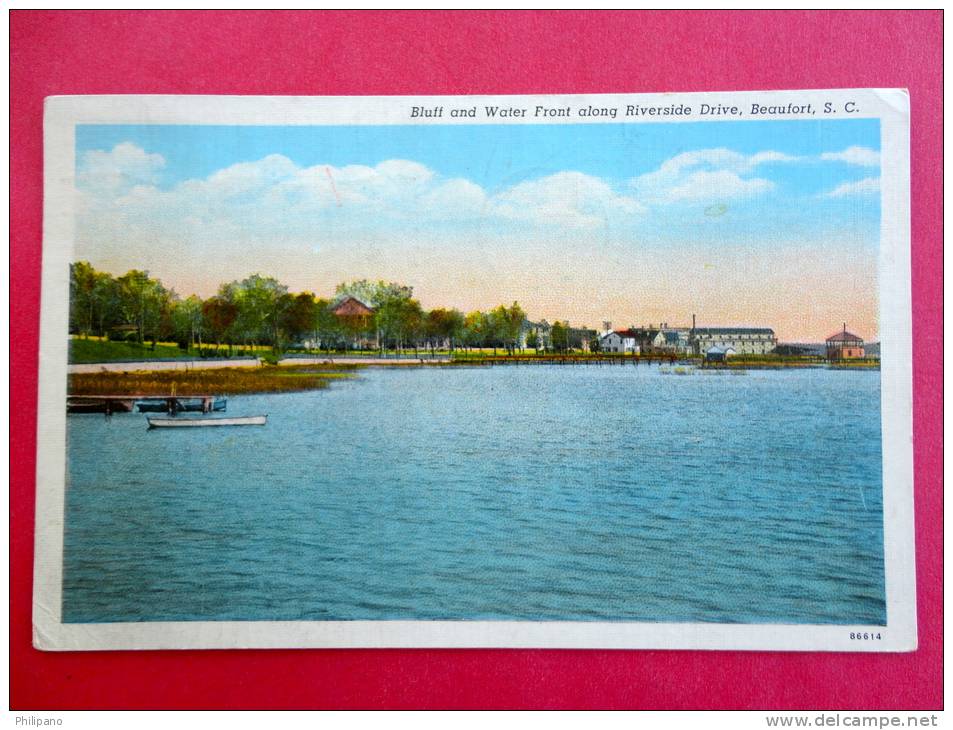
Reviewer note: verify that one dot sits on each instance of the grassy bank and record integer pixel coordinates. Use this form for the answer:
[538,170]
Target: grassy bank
[223,381]
[97,349]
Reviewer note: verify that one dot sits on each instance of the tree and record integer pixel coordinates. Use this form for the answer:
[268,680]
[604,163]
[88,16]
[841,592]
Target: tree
[595,343]
[399,317]
[326,325]
[219,314]
[143,301]
[443,326]
[94,300]
[532,339]
[362,290]
[260,302]
[412,323]
[82,284]
[106,311]
[168,301]
[560,336]
[298,315]
[507,325]
[188,319]
[476,329]
[453,328]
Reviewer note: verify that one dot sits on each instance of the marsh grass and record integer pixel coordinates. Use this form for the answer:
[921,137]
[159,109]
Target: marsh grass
[219,381]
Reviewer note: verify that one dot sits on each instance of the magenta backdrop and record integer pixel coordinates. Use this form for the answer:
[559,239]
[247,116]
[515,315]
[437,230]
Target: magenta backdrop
[361,52]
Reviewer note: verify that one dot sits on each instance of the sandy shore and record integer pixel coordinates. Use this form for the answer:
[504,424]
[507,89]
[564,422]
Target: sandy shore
[148,365]
[361,360]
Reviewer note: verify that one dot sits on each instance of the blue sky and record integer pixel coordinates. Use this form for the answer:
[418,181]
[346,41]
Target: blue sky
[530,212]
[492,156]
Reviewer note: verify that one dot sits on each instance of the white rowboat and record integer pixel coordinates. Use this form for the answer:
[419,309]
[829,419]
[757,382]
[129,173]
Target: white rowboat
[202,422]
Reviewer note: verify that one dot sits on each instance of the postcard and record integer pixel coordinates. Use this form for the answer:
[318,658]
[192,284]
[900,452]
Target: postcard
[608,371]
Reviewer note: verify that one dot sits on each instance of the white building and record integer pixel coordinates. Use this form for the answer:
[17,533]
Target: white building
[743,340]
[621,341]
[673,339]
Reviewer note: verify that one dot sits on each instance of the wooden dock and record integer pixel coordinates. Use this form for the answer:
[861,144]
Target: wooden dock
[574,360]
[109,404]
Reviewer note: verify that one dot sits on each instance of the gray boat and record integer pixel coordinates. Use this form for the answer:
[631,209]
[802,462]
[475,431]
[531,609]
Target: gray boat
[206,422]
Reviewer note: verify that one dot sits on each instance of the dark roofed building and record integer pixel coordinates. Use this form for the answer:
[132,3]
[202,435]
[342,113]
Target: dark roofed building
[801,349]
[718,354]
[734,331]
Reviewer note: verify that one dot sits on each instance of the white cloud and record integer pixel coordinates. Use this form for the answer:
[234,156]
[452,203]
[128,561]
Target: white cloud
[119,169]
[246,177]
[770,156]
[717,185]
[275,201]
[862,156]
[709,175]
[570,199]
[455,197]
[273,196]
[867,186]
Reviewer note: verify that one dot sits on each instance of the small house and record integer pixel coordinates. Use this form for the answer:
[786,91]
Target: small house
[844,345]
[672,339]
[718,354]
[625,342]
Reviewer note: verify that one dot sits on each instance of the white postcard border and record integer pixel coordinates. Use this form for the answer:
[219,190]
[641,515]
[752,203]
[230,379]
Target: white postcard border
[50,633]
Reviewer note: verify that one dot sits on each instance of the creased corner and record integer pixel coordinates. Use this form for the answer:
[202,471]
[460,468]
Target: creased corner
[43,619]
[897,99]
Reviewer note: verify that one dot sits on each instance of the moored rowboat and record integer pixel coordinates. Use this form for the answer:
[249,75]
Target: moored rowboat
[92,404]
[203,422]
[171,404]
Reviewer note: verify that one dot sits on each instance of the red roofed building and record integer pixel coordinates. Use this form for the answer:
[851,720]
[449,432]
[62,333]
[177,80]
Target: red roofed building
[358,320]
[623,341]
[844,345]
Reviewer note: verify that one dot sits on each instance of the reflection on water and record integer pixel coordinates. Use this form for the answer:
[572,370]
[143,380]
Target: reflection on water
[534,493]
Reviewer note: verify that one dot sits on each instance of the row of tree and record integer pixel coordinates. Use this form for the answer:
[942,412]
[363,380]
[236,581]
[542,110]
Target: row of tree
[260,310]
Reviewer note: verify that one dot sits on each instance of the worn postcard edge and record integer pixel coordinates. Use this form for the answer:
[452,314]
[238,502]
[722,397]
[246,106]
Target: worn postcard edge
[891,106]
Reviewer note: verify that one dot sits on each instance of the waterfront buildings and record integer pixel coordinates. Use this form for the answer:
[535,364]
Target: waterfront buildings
[541,334]
[537,333]
[690,340]
[632,341]
[676,340]
[743,340]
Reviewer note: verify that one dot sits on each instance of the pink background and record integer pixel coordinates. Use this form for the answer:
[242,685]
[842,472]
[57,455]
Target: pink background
[349,53]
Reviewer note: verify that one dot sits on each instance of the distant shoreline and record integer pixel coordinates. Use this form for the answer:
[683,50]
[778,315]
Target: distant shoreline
[182,365]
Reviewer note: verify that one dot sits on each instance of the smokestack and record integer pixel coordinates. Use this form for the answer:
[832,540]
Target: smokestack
[693,320]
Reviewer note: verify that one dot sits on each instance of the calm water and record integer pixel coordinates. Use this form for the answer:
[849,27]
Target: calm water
[497,493]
